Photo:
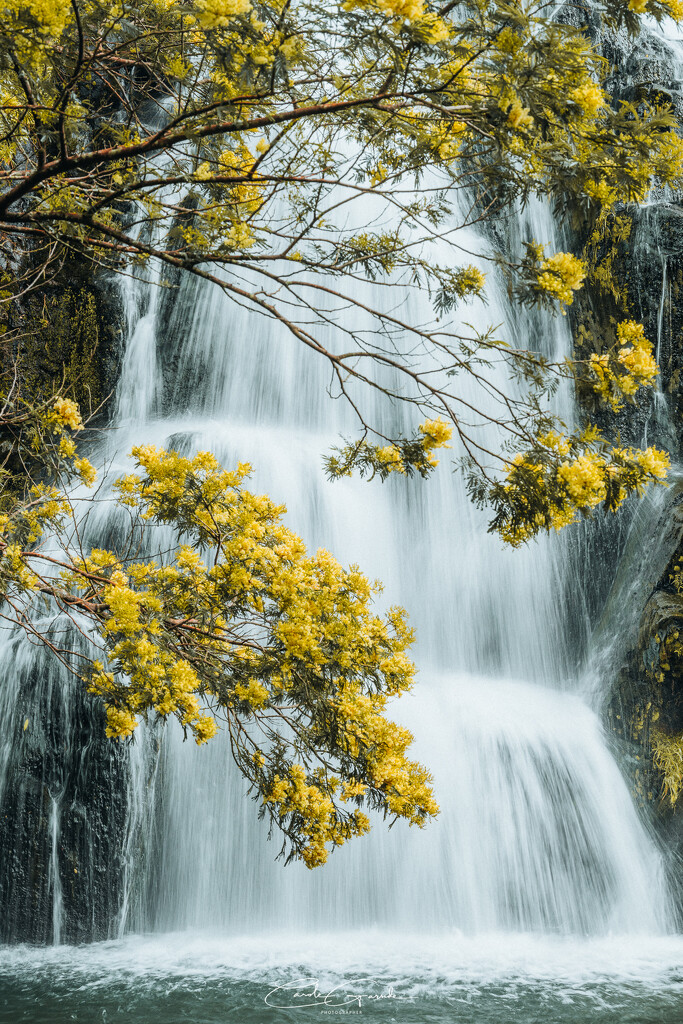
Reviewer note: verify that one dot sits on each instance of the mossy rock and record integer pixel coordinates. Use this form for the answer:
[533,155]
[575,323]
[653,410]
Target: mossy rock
[62,347]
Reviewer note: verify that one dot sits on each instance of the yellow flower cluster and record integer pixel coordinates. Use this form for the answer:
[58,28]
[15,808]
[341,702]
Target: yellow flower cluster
[509,41]
[405,456]
[321,825]
[604,382]
[408,10]
[405,784]
[672,7]
[157,678]
[353,789]
[652,462]
[67,448]
[634,356]
[239,236]
[401,10]
[215,14]
[469,280]
[668,757]
[14,570]
[85,470]
[274,631]
[253,692]
[367,735]
[560,276]
[67,414]
[120,721]
[555,442]
[432,28]
[389,458]
[45,507]
[589,97]
[603,193]
[248,195]
[518,116]
[584,479]
[50,16]
[436,434]
[546,490]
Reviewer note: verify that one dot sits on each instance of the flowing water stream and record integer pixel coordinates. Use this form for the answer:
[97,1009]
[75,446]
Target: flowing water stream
[539,893]
[537,830]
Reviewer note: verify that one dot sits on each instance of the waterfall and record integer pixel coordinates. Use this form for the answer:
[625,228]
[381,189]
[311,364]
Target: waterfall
[537,830]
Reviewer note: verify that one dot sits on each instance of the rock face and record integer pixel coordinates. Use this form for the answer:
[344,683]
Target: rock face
[636,257]
[646,707]
[636,272]
[62,807]
[62,782]
[645,710]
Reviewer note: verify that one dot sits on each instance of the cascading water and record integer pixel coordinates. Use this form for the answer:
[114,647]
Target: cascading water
[537,830]
[538,834]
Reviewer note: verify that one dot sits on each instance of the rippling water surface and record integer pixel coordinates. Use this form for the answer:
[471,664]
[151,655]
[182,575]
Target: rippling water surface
[370,976]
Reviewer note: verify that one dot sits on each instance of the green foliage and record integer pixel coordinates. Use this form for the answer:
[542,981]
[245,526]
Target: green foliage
[406,456]
[564,477]
[287,151]
[281,649]
[290,152]
[668,758]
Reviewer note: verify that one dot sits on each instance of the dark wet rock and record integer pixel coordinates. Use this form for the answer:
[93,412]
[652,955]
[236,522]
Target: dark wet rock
[62,808]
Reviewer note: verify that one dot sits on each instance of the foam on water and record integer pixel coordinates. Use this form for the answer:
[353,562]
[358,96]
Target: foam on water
[416,965]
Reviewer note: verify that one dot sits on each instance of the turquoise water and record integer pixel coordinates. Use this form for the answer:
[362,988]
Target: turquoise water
[369,976]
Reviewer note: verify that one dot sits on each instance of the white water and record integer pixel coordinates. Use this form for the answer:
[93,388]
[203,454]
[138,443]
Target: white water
[538,831]
[417,967]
